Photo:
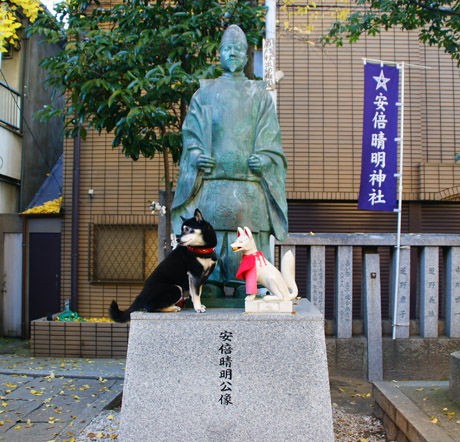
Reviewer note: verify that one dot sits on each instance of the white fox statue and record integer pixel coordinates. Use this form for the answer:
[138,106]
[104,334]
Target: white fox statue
[255,269]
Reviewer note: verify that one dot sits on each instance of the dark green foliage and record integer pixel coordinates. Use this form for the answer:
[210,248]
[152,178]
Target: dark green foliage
[132,69]
[437,22]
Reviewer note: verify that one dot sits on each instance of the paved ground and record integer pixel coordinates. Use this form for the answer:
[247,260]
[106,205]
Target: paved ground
[52,399]
[433,402]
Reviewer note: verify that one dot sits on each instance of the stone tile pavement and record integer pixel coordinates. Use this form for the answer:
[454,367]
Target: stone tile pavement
[52,399]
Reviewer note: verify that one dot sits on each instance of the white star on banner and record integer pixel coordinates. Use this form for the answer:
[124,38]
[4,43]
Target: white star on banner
[381,81]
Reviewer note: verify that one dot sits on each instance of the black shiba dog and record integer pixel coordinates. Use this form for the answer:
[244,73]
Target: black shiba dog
[185,269]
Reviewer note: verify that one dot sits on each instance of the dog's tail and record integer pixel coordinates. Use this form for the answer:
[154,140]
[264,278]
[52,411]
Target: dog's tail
[118,315]
[288,272]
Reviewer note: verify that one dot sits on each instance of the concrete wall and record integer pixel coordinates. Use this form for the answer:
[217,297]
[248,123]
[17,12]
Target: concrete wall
[403,359]
[42,142]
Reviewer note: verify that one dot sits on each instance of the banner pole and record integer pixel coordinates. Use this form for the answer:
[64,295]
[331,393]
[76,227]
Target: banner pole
[399,209]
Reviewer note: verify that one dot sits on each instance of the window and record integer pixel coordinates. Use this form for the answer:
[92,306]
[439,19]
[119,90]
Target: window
[122,253]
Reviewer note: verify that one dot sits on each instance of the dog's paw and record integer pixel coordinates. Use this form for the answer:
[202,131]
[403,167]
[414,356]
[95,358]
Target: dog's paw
[200,309]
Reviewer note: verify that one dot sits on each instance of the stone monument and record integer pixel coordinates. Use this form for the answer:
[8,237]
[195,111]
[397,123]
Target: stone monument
[229,375]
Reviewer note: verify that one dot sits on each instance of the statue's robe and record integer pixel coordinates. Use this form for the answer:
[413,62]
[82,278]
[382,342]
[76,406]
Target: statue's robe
[231,118]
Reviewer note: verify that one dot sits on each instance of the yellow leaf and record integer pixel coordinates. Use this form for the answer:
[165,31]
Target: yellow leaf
[110,417]
[434,419]
[36,393]
[17,427]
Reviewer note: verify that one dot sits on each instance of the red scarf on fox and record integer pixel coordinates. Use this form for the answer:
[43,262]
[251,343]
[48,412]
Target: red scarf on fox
[248,271]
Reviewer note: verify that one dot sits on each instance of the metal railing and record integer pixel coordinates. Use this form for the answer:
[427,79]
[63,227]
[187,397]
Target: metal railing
[10,107]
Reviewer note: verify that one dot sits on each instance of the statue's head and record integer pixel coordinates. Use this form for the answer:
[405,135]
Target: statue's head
[233,49]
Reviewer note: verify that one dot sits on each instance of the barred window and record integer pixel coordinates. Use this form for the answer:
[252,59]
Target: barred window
[122,253]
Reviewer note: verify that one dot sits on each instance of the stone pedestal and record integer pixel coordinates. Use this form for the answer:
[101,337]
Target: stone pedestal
[227,376]
[454,379]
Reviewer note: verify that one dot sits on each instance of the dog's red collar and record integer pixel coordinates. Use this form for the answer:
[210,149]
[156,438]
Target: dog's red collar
[200,250]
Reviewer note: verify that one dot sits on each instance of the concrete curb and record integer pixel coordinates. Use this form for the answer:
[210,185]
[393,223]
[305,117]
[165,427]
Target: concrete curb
[402,419]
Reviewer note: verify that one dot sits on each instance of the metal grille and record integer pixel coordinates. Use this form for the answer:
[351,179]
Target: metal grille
[122,253]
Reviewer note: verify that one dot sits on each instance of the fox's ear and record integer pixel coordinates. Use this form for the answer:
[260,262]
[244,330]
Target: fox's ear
[239,232]
[248,232]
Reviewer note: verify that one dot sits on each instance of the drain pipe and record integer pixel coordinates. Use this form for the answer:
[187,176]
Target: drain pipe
[75,220]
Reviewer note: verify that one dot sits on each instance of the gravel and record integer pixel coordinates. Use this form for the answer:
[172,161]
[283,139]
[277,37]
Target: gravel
[348,427]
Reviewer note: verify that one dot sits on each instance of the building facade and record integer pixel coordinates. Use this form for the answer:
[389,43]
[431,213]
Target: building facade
[28,151]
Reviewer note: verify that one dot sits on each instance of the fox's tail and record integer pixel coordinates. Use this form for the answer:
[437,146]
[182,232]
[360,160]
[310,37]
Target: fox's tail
[288,272]
[119,315]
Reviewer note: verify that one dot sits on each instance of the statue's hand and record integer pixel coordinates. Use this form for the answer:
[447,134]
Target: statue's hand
[205,163]
[255,163]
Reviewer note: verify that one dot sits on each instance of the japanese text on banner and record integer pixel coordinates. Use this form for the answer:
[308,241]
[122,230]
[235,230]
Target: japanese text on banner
[377,189]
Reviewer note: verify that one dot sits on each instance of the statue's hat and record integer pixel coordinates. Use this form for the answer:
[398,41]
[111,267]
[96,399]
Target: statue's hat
[234,34]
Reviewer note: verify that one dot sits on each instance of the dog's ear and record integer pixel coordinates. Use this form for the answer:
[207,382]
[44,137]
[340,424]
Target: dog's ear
[248,232]
[198,216]
[183,219]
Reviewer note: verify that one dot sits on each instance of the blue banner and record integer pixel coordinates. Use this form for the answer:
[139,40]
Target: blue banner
[377,190]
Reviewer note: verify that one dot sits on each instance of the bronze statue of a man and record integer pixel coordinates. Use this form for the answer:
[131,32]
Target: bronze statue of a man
[232,167]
